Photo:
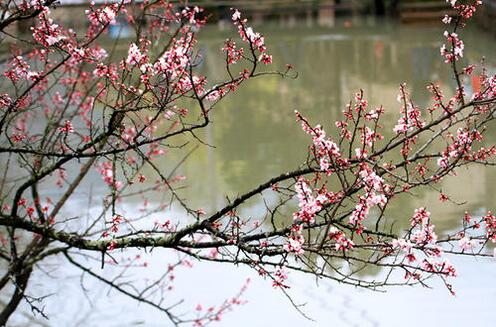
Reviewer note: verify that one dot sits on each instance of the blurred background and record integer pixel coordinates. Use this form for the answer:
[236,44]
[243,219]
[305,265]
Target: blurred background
[320,12]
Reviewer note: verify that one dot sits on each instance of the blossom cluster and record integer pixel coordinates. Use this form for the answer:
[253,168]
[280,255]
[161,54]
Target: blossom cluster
[103,15]
[295,240]
[255,40]
[106,169]
[460,147]
[280,277]
[309,204]
[490,223]
[325,150]
[341,242]
[465,9]
[456,47]
[423,230]
[47,33]
[411,118]
[374,194]
[454,50]
[422,241]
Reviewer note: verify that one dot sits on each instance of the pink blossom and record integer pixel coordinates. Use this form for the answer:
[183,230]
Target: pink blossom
[68,128]
[236,15]
[402,244]
[457,47]
[490,224]
[102,16]
[308,203]
[134,55]
[420,217]
[425,235]
[47,33]
[265,58]
[294,244]
[465,243]
[280,277]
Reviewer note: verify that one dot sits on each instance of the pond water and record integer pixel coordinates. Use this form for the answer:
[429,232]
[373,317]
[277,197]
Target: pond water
[255,136]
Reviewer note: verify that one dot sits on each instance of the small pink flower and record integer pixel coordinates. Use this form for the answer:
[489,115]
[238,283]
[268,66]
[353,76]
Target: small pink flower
[465,243]
[236,15]
[68,128]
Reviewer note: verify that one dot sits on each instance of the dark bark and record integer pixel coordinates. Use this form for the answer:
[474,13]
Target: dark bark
[21,282]
[20,17]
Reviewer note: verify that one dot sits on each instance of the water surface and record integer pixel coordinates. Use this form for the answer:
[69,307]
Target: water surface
[254,136]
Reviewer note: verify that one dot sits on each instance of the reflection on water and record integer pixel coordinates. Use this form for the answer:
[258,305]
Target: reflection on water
[254,136]
[254,131]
